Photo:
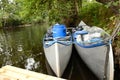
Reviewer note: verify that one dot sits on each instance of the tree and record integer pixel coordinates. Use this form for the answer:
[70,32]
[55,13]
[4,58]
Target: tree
[36,11]
[9,13]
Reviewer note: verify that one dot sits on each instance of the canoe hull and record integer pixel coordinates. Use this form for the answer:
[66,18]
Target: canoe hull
[58,56]
[95,60]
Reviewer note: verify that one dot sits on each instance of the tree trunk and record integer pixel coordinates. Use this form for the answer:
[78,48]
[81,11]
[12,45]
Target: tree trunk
[77,4]
[76,8]
[105,1]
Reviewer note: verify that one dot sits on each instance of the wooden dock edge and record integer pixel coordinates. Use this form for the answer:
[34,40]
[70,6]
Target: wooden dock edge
[13,73]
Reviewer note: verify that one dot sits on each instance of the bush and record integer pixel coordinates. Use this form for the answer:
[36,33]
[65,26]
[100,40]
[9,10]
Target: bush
[95,14]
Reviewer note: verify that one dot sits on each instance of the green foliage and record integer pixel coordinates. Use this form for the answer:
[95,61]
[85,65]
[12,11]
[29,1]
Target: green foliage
[95,13]
[112,3]
[118,33]
[39,11]
[9,13]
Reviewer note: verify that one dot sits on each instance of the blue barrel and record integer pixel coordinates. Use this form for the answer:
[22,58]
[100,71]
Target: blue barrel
[59,30]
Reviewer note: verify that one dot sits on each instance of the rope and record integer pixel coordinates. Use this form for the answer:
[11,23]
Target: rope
[115,32]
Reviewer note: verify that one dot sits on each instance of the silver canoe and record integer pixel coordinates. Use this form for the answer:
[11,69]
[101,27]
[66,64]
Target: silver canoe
[97,55]
[58,52]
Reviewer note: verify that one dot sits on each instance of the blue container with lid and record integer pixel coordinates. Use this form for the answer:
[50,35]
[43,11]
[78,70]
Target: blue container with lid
[59,31]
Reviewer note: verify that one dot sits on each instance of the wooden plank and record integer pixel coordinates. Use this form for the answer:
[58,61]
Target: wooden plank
[14,73]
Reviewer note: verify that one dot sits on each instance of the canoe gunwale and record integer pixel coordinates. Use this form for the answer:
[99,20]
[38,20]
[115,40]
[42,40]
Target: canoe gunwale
[91,45]
[68,43]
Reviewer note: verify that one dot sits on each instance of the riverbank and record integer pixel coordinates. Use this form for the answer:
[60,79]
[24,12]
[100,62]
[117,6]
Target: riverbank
[19,26]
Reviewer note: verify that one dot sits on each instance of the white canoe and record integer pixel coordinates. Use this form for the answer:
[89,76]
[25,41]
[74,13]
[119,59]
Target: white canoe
[94,55]
[58,52]
[58,56]
[95,60]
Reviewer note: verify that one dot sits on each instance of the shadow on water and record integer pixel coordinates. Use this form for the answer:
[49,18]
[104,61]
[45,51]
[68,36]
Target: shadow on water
[23,48]
[117,73]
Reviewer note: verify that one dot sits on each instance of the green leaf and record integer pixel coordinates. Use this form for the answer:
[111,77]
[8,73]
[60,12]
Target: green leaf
[112,18]
[118,33]
[116,3]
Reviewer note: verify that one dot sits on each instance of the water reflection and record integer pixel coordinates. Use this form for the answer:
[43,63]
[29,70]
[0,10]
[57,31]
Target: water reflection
[23,48]
[30,63]
[19,48]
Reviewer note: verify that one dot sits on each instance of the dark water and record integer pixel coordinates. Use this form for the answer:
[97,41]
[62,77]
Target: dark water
[22,47]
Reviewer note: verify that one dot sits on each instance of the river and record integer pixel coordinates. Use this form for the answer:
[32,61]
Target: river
[22,47]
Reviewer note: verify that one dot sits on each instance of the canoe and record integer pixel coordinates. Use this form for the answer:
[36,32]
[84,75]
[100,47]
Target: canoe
[93,45]
[58,47]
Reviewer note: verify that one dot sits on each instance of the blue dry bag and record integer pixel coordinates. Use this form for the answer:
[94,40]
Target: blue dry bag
[59,31]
